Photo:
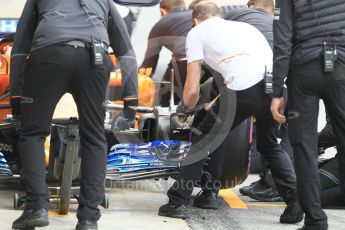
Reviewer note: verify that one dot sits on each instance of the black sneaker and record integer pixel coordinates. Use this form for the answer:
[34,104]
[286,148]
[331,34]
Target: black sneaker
[321,227]
[31,219]
[206,200]
[266,196]
[257,186]
[86,225]
[174,211]
[292,213]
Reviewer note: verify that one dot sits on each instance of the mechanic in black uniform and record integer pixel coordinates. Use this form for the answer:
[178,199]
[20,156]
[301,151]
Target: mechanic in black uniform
[309,51]
[61,46]
[170,32]
[267,5]
[258,17]
[234,105]
[331,193]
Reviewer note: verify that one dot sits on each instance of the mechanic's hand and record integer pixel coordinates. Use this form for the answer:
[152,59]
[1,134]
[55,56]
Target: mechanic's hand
[182,109]
[277,109]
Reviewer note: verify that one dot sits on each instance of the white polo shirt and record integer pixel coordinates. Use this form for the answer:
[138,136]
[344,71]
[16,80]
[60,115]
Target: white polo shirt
[237,50]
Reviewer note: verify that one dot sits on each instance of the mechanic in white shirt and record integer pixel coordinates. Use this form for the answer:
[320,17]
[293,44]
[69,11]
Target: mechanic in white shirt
[231,61]
[240,53]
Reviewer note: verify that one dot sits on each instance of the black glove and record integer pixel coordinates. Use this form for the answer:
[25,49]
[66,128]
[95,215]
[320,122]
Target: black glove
[182,109]
[129,114]
[128,110]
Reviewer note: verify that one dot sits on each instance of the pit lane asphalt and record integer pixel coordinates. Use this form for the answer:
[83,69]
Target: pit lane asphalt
[256,216]
[134,205]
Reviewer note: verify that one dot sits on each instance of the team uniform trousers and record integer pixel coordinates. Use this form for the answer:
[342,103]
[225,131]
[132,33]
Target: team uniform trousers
[51,72]
[233,108]
[306,85]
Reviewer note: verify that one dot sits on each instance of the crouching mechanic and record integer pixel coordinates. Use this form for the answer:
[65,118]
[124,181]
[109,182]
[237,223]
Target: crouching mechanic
[62,45]
[329,171]
[228,48]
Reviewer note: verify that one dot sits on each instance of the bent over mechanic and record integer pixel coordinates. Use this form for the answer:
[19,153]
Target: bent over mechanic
[61,46]
[241,64]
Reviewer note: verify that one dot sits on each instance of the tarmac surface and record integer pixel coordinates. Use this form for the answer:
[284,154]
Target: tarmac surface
[134,205]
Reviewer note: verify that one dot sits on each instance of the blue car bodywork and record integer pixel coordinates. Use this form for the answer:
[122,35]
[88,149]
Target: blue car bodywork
[165,154]
[4,167]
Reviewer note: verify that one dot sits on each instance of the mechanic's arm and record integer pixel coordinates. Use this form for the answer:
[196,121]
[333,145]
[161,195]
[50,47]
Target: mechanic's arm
[195,57]
[192,89]
[21,47]
[154,47]
[121,44]
[283,34]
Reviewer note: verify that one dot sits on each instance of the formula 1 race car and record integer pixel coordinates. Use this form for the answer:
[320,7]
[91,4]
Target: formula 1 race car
[161,143]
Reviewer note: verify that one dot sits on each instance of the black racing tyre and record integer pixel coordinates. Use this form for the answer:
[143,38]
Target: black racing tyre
[236,160]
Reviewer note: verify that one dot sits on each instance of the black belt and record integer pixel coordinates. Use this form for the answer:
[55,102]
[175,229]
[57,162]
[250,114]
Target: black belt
[77,43]
[80,44]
